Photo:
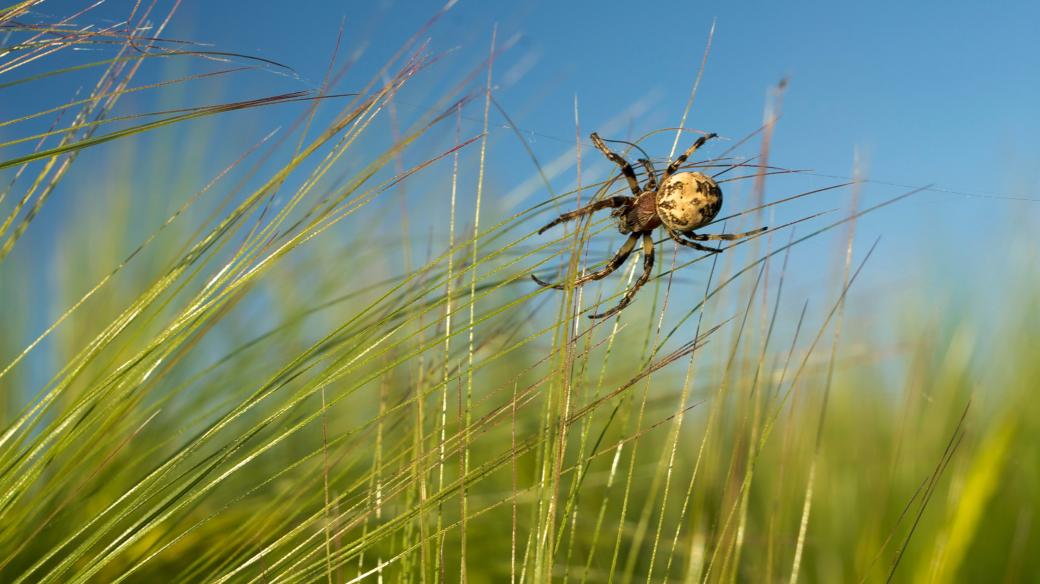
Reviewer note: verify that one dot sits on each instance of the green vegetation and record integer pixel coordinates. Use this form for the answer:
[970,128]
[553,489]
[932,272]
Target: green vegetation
[271,373]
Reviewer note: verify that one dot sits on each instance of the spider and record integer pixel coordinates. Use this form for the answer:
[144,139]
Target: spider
[680,202]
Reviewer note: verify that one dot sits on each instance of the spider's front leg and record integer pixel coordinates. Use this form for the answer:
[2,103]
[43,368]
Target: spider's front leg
[626,168]
[615,262]
[609,202]
[648,267]
[651,174]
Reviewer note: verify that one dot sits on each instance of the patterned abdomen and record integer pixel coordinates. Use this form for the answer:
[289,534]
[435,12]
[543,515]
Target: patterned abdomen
[688,200]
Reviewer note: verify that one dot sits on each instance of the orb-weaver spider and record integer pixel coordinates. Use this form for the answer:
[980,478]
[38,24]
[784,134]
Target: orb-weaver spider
[680,202]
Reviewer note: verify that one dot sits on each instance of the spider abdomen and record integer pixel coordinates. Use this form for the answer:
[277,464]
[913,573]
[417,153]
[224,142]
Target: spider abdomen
[688,200]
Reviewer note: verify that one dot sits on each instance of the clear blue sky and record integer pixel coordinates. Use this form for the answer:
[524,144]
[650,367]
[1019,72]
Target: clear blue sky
[929,93]
[933,92]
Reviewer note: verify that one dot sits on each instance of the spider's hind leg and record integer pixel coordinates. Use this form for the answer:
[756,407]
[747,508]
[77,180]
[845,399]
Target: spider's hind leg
[613,202]
[648,267]
[674,166]
[678,237]
[615,262]
[725,236]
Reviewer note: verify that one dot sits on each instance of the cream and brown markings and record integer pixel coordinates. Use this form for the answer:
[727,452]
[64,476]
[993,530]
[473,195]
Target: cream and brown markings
[688,200]
[681,202]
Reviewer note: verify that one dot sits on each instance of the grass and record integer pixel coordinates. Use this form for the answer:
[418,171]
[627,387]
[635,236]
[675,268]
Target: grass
[325,361]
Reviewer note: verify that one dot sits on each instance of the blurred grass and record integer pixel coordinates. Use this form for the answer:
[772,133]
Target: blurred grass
[293,369]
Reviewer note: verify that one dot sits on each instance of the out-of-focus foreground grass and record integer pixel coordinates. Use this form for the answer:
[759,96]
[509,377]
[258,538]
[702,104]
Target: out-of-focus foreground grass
[326,362]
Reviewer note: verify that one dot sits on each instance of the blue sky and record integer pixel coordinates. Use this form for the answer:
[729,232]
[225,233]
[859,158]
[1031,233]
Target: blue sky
[927,93]
[932,92]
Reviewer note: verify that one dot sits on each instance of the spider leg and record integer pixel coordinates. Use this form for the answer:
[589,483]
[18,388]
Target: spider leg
[648,266]
[626,168]
[590,208]
[689,243]
[725,236]
[674,166]
[651,174]
[614,263]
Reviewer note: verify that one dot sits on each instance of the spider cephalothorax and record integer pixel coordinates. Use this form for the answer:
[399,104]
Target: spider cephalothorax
[681,202]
